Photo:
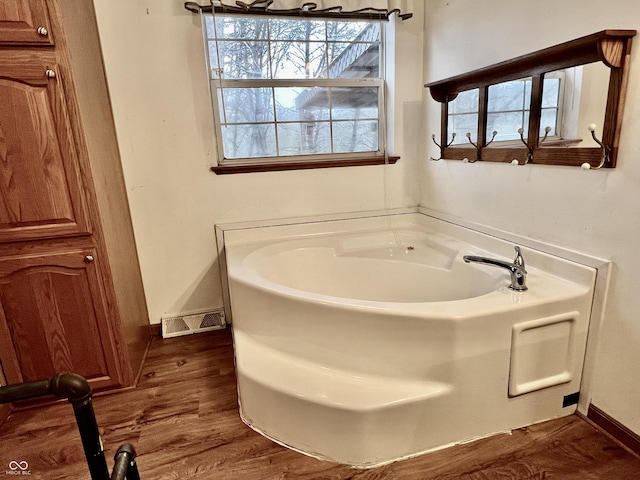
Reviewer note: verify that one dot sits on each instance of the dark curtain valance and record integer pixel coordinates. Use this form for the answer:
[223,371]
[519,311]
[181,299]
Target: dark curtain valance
[359,9]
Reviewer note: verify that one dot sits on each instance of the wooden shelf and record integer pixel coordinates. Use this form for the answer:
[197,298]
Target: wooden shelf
[608,46]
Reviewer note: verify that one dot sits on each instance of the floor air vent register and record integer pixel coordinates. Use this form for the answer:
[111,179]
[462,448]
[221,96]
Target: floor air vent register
[193,323]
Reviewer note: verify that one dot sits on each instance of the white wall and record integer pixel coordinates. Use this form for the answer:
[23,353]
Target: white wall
[154,59]
[595,212]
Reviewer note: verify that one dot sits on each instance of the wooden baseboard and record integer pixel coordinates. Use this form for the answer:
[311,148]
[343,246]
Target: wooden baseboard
[155,329]
[614,428]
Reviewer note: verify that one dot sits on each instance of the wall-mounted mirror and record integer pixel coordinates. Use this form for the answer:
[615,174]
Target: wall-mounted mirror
[561,105]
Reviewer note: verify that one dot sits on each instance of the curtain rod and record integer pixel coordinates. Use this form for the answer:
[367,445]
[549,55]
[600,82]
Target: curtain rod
[368,14]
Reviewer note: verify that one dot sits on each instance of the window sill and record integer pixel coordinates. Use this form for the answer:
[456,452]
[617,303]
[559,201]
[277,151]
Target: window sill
[282,166]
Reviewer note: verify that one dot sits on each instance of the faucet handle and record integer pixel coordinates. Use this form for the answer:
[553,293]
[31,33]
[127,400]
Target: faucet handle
[519,273]
[519,259]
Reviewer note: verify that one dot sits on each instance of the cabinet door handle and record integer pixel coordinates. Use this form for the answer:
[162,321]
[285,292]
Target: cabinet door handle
[88,258]
[43,31]
[50,73]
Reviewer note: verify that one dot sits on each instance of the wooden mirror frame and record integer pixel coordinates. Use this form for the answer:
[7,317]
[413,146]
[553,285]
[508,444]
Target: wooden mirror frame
[612,47]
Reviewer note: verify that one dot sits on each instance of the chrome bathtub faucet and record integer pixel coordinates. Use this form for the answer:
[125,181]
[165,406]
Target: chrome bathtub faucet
[516,269]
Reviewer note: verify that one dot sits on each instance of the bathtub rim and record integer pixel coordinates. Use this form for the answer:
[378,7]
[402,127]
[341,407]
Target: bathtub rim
[603,268]
[459,310]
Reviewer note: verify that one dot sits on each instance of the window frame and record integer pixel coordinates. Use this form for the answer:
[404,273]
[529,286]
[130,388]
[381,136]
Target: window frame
[294,162]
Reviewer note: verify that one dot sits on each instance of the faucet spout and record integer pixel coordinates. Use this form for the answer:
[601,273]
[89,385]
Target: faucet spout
[516,268]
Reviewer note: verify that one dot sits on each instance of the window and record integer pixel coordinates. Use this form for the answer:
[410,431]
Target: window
[292,90]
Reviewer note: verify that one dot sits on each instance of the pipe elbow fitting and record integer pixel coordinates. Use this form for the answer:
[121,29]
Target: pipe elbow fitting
[72,386]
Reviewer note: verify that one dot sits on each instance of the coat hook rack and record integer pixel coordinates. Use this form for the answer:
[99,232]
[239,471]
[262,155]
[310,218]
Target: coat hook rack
[604,151]
[433,137]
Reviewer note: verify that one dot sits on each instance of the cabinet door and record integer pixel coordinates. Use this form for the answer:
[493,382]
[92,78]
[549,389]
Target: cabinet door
[40,183]
[53,319]
[24,22]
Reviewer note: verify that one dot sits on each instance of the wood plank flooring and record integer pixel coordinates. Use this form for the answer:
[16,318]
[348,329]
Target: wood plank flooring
[183,420]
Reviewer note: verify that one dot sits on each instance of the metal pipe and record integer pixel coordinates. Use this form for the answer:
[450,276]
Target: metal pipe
[125,464]
[77,391]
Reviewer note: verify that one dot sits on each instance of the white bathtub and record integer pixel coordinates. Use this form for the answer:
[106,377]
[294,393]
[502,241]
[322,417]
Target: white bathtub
[369,340]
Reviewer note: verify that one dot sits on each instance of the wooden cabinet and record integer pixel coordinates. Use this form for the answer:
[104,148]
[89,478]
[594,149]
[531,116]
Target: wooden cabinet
[71,295]
[40,186]
[53,317]
[25,22]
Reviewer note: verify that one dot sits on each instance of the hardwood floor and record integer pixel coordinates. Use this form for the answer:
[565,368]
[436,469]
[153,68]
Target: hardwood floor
[183,421]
